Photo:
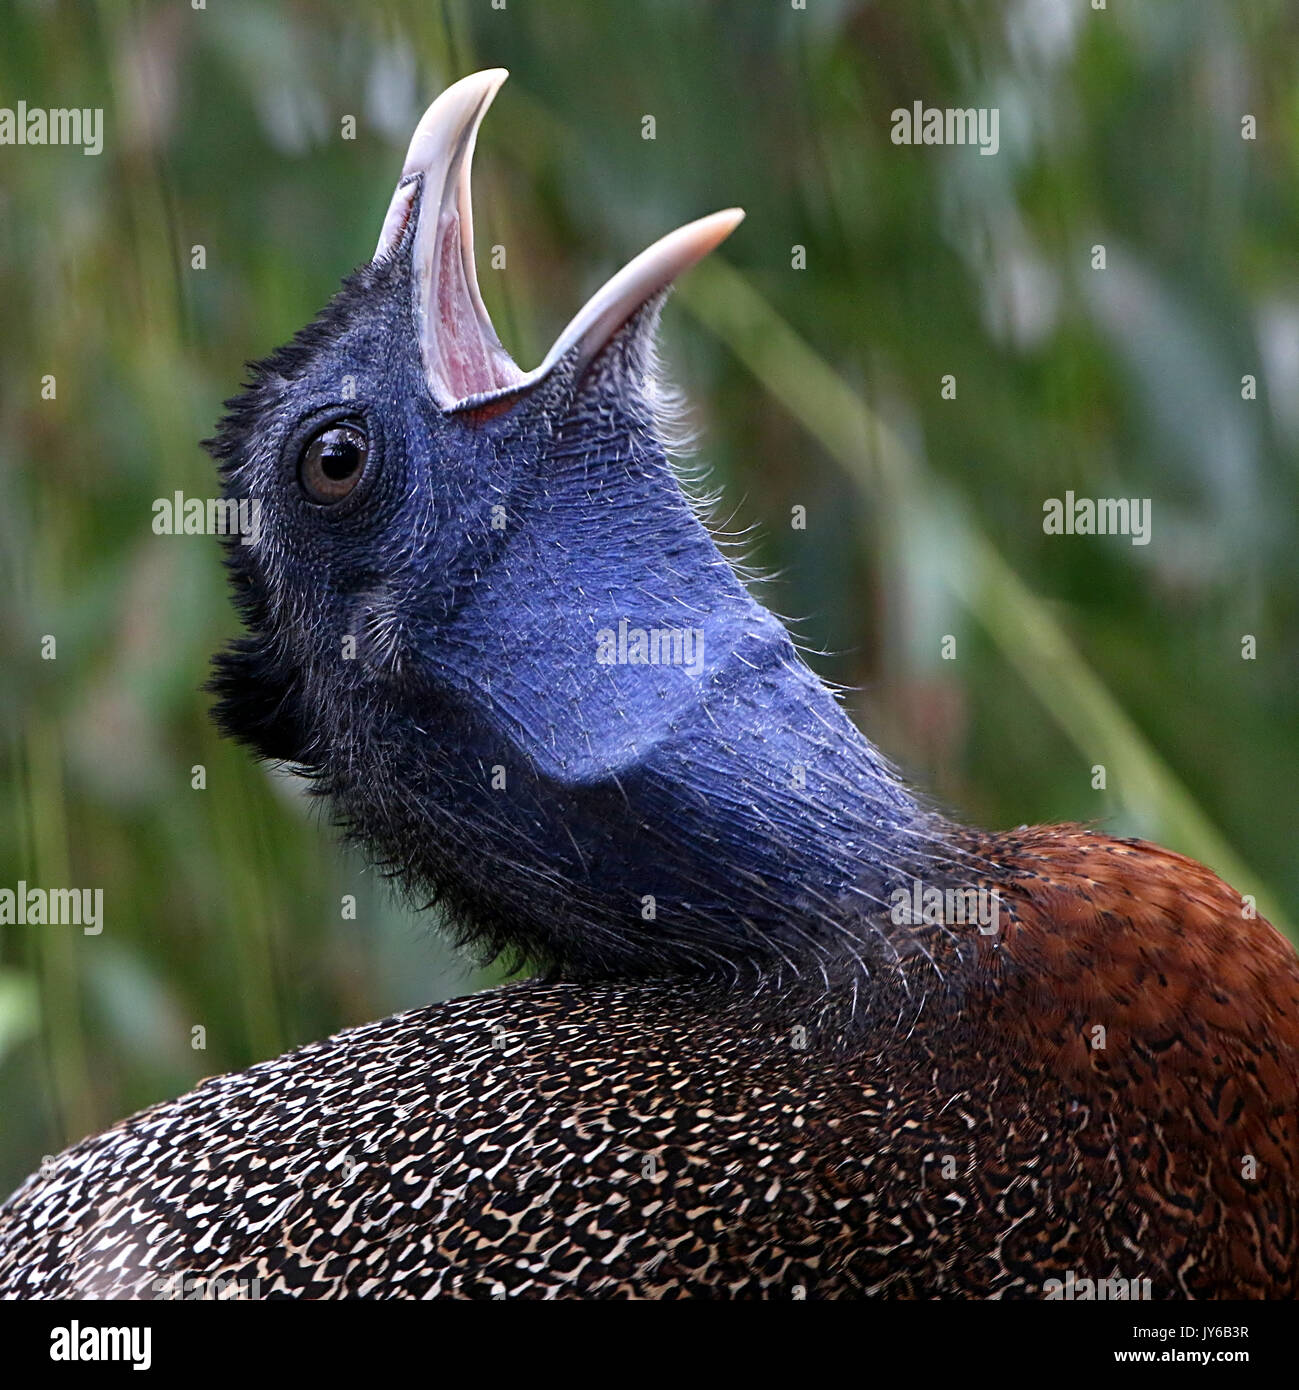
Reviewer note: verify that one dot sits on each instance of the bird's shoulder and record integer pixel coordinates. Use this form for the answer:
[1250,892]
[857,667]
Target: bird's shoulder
[1129,967]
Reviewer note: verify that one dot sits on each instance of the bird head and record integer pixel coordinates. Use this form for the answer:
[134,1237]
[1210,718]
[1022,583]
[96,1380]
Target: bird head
[398,459]
[484,616]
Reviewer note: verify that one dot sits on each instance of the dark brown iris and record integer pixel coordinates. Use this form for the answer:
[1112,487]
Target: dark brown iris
[333,462]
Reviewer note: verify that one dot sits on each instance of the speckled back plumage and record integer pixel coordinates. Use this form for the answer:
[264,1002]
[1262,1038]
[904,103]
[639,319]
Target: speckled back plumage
[657,1141]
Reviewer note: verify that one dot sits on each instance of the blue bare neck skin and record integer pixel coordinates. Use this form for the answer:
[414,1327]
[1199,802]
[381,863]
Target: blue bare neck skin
[628,769]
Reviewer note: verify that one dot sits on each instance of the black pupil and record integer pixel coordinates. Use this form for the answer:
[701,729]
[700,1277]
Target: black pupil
[340,455]
[333,462]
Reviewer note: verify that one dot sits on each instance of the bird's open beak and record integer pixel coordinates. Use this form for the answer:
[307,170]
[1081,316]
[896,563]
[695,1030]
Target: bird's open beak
[463,358]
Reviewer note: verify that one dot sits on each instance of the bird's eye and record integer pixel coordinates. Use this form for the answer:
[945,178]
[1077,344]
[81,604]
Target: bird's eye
[333,461]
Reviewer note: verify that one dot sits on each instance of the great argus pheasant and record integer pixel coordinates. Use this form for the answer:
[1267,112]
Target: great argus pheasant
[794,1033]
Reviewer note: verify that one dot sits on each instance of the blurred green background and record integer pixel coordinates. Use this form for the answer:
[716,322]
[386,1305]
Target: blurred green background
[816,387]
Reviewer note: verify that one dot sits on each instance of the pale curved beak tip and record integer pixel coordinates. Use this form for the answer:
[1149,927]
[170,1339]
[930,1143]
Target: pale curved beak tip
[457,109]
[715,228]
